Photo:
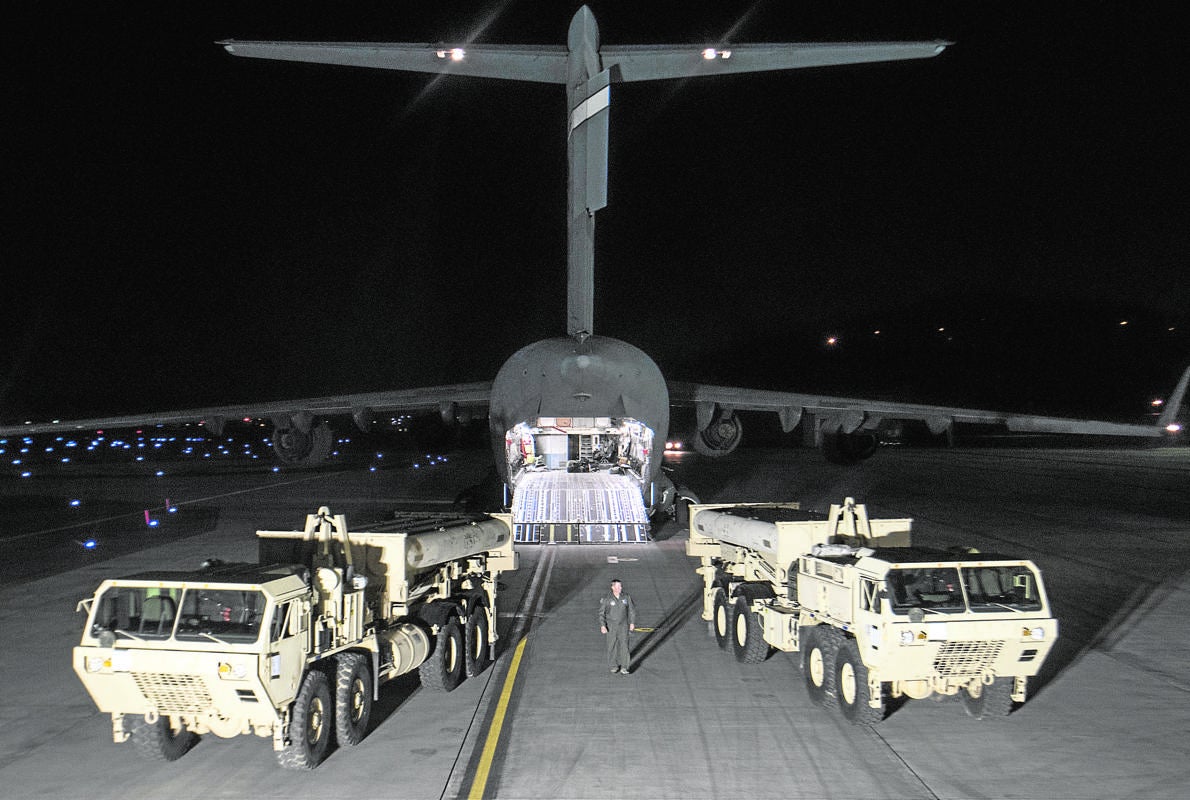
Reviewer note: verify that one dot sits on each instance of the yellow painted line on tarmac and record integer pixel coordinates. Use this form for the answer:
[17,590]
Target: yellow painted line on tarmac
[639,629]
[489,747]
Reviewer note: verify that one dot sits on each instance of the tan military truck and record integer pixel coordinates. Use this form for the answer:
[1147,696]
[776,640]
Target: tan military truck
[295,647]
[874,619]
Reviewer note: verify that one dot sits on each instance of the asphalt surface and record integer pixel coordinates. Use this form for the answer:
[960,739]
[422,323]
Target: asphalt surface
[1108,717]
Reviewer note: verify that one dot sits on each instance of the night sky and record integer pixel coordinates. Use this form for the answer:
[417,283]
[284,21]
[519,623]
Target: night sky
[188,228]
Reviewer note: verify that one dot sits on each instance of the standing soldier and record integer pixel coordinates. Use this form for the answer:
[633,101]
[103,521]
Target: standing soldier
[617,618]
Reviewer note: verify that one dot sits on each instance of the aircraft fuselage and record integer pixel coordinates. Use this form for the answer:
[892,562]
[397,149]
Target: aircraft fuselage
[566,379]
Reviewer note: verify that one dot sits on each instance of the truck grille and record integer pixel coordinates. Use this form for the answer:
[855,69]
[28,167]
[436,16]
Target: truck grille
[966,658]
[174,694]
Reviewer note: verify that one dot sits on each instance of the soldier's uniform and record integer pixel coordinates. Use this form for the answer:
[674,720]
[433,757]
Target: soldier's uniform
[616,614]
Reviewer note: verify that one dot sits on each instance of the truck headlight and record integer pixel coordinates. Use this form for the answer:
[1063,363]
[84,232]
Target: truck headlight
[233,672]
[97,663]
[1036,634]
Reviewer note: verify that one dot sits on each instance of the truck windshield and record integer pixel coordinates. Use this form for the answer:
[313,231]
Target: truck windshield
[145,613]
[988,589]
[221,615]
[933,589]
[137,612]
[996,588]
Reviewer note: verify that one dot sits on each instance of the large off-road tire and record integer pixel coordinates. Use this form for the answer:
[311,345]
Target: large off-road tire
[353,698]
[445,669]
[989,702]
[851,687]
[309,724]
[157,741]
[475,639]
[723,618]
[748,641]
[819,645]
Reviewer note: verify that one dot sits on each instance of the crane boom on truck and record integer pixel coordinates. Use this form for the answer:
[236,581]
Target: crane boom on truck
[295,647]
[873,617]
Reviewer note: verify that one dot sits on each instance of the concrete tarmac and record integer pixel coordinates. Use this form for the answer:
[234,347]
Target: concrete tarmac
[1108,718]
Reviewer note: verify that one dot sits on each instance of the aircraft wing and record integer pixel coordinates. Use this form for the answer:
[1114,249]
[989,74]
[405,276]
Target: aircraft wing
[286,413]
[848,415]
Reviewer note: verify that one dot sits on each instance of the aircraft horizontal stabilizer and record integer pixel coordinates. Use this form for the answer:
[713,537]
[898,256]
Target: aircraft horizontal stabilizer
[659,62]
[545,64]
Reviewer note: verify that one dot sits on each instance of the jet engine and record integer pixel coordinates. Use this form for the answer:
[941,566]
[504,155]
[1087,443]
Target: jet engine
[303,448]
[721,436]
[848,448]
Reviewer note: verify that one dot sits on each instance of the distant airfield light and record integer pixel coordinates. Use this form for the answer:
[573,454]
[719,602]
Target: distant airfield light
[75,503]
[1123,322]
[710,54]
[454,54]
[1173,427]
[831,341]
[1157,402]
[875,333]
[26,474]
[89,544]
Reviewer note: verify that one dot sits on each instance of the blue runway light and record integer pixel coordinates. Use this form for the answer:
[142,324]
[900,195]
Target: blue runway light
[371,469]
[276,469]
[153,523]
[160,473]
[26,474]
[89,544]
[75,503]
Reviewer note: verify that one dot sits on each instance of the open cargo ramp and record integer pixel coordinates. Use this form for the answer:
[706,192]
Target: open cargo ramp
[586,507]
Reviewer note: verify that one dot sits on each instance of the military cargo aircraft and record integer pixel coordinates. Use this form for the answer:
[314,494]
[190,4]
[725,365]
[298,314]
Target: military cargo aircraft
[578,422]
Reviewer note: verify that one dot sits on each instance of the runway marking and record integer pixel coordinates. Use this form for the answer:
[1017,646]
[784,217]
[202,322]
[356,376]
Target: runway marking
[492,741]
[489,747]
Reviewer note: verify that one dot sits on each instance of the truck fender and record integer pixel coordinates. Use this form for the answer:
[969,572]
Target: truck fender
[755,591]
[437,613]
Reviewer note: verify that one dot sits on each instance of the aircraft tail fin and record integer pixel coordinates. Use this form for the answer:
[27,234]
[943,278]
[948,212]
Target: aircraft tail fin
[587,70]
